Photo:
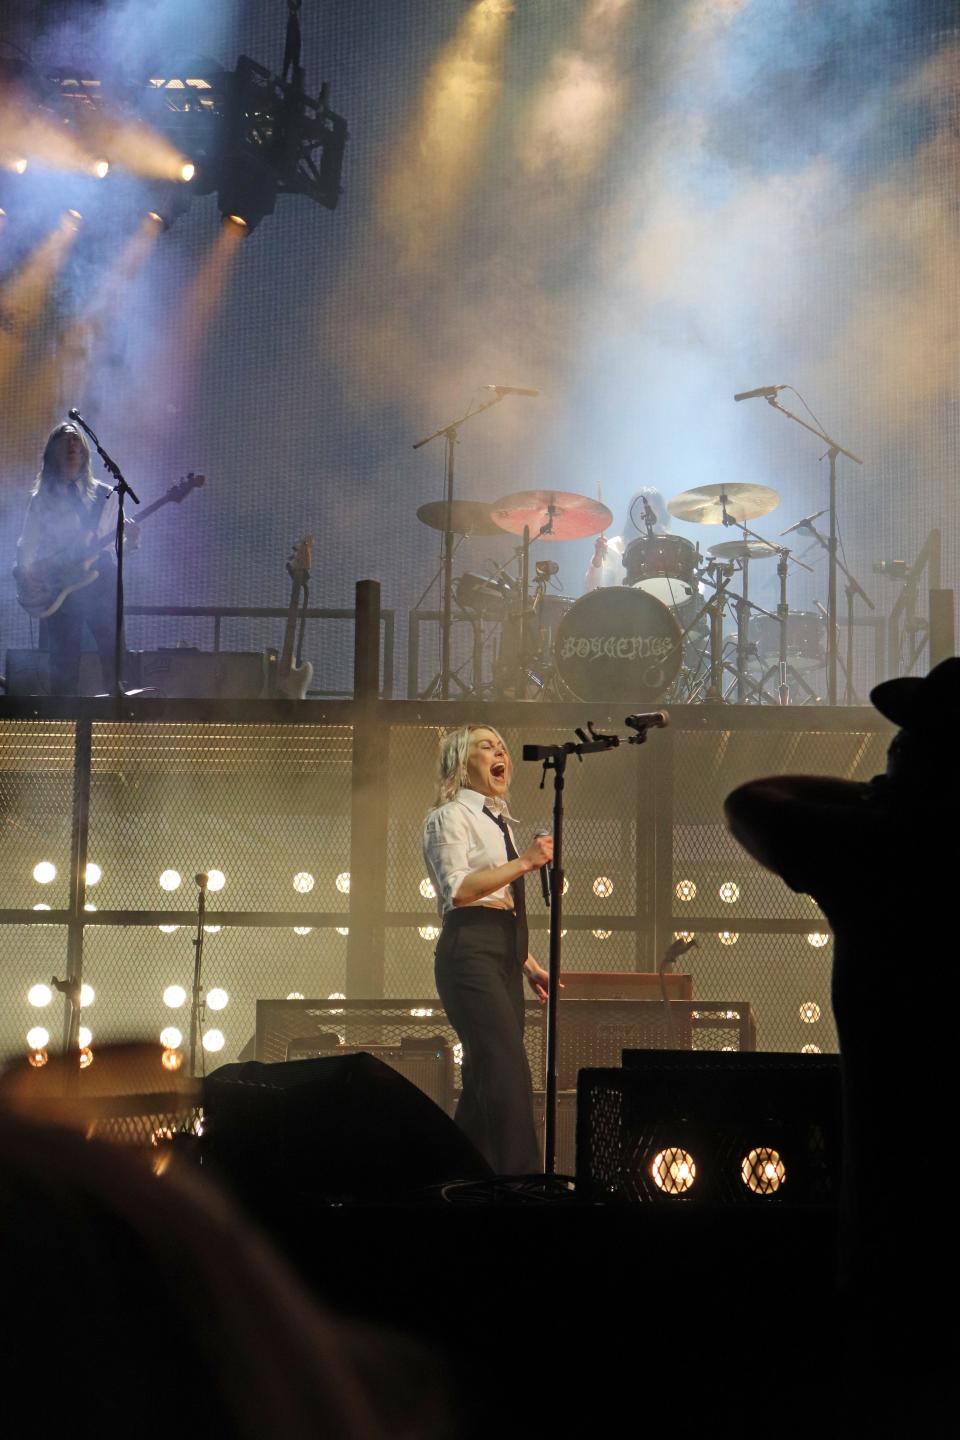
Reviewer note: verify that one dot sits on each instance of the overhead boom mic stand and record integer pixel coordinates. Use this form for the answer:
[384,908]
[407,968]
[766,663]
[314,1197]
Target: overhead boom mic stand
[450,433]
[554,757]
[834,449]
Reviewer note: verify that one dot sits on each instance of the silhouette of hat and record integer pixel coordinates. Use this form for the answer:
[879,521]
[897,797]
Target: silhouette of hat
[931,702]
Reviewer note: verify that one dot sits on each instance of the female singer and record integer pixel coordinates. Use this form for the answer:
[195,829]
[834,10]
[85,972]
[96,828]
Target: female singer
[482,952]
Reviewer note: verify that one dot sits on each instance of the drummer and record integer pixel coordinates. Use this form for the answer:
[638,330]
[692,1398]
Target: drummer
[606,567]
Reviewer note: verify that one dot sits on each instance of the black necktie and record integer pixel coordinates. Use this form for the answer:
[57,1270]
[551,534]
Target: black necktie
[516,886]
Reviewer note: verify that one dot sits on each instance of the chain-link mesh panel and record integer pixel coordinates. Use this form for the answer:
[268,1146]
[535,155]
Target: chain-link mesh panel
[728,1130]
[712,874]
[31,955]
[36,803]
[266,805]
[132,968]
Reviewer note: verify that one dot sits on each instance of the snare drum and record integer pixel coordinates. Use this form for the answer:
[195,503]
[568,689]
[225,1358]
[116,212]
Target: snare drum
[665,566]
[618,644]
[806,639]
[489,596]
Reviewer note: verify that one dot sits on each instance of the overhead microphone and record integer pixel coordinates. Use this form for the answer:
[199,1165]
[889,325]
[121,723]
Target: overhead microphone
[544,869]
[648,719]
[765,392]
[510,390]
[807,520]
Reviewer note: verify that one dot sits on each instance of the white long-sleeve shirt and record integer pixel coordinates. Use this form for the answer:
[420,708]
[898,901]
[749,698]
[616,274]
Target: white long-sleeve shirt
[60,517]
[458,839]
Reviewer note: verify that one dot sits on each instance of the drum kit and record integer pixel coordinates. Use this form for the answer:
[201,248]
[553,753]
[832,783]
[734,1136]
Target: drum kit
[658,636]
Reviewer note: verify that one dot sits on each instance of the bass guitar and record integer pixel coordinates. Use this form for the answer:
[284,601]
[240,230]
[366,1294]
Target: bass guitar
[293,681]
[42,588]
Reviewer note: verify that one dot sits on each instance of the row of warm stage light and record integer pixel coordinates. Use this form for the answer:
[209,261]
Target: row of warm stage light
[674,1170]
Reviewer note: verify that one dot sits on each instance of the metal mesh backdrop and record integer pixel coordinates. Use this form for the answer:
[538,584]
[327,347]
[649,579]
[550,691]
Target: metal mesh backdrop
[271,805]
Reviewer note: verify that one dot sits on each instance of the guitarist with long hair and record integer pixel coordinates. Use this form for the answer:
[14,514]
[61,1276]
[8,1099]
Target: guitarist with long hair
[68,512]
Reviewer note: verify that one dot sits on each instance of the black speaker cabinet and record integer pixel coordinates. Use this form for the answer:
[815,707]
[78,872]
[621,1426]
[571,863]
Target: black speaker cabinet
[688,1127]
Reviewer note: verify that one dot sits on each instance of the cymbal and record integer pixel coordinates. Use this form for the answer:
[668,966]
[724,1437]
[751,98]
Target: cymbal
[467,517]
[744,502]
[744,549]
[573,516]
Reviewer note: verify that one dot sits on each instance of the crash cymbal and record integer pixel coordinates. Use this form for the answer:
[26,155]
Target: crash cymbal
[468,517]
[744,550]
[702,506]
[572,516]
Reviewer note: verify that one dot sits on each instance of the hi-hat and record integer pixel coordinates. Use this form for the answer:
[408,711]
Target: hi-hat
[467,517]
[704,505]
[570,517]
[744,550]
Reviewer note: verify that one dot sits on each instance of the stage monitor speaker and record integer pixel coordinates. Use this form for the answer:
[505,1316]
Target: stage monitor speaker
[687,1127]
[204,675]
[338,1129]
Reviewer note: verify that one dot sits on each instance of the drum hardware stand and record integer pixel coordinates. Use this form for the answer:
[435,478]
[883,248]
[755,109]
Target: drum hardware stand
[854,589]
[450,433]
[196,994]
[554,757]
[834,449]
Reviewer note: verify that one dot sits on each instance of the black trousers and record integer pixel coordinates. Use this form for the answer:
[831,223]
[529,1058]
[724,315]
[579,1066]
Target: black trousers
[480,982]
[95,606]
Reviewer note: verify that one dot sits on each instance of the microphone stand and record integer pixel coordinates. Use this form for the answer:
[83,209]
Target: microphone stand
[833,451]
[121,490]
[450,433]
[196,1000]
[554,757]
[854,588]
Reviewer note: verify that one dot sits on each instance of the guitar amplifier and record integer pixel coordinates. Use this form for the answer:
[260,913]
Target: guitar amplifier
[182,674]
[27,672]
[426,1062]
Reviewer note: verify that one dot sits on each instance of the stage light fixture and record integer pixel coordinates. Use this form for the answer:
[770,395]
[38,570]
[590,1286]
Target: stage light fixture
[89,905]
[93,873]
[458,1053]
[216,880]
[602,934]
[213,929]
[20,166]
[213,1040]
[38,1038]
[428,932]
[72,219]
[762,1171]
[343,929]
[818,940]
[84,1036]
[174,996]
[303,882]
[302,929]
[170,200]
[45,872]
[170,880]
[217,999]
[673,1170]
[42,906]
[810,1050]
[171,1059]
[685,935]
[38,1058]
[728,937]
[686,890]
[427,889]
[187,172]
[87,996]
[342,882]
[168,929]
[39,995]
[603,887]
[421,1012]
[170,1037]
[86,1057]
[295,995]
[101,169]
[337,995]
[809,1012]
[729,892]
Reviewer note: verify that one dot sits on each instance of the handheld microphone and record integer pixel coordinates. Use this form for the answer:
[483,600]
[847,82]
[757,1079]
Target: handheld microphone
[648,719]
[765,392]
[544,869]
[807,520]
[510,390]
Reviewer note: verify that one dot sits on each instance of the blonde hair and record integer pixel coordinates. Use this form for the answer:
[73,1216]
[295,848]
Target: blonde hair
[452,760]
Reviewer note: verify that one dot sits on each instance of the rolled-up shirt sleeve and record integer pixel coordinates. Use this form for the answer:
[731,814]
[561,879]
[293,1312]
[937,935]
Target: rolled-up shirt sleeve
[446,846]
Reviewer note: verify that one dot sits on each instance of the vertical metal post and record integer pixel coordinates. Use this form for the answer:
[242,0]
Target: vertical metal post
[832,585]
[368,806]
[79,838]
[662,762]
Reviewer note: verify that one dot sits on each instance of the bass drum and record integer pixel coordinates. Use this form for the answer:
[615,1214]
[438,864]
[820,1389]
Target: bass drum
[618,644]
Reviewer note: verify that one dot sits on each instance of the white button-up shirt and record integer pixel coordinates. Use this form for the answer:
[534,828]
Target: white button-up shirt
[458,839]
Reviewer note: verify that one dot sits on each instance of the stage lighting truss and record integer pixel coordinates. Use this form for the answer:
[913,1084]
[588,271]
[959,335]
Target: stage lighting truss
[245,133]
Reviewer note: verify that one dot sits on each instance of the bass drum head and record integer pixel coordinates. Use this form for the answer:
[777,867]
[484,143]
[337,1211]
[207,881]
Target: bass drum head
[618,644]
